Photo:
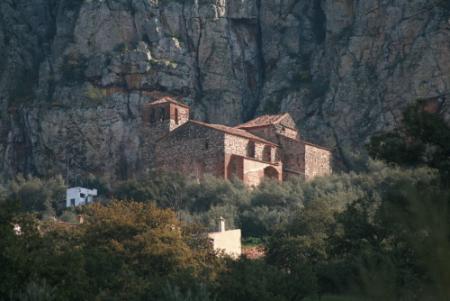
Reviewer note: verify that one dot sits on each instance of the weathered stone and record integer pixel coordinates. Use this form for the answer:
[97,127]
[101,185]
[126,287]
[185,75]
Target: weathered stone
[77,72]
[199,149]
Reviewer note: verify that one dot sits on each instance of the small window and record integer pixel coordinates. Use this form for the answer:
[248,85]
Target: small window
[82,195]
[206,144]
[251,149]
[162,114]
[176,116]
[276,155]
[72,202]
[152,116]
[267,153]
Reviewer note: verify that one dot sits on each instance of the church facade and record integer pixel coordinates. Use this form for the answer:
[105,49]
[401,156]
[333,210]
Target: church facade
[269,146]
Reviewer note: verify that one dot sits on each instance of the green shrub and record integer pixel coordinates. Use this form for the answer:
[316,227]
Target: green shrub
[34,194]
[173,293]
[37,292]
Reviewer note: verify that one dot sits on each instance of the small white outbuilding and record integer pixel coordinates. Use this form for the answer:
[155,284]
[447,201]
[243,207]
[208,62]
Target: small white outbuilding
[77,196]
[226,241]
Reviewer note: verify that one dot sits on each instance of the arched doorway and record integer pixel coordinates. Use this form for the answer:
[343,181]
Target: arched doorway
[271,173]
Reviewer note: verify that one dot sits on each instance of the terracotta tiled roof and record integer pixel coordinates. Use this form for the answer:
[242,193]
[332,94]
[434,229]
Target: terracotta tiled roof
[318,146]
[233,131]
[167,99]
[262,121]
[306,142]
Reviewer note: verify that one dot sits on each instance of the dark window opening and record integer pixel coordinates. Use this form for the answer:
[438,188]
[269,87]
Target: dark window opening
[251,149]
[162,114]
[277,155]
[206,144]
[72,202]
[82,195]
[152,116]
[271,173]
[267,153]
[176,116]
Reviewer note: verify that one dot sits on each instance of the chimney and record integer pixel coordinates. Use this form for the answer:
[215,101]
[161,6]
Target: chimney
[80,219]
[221,224]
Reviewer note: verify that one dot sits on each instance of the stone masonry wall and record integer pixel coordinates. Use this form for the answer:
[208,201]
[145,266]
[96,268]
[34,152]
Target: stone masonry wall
[157,126]
[287,121]
[293,156]
[74,74]
[254,171]
[288,132]
[236,145]
[192,149]
[317,162]
[266,132]
[272,132]
[183,116]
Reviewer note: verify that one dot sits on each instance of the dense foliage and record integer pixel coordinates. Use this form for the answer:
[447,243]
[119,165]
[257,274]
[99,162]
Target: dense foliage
[345,234]
[382,233]
[422,139]
[124,251]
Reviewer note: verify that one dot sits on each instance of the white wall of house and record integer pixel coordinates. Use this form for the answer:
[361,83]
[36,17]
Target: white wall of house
[77,196]
[228,242]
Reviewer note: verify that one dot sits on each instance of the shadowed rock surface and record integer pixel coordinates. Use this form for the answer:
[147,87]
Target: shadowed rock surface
[75,74]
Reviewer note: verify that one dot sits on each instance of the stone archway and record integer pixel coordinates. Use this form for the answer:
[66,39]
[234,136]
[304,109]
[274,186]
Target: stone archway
[271,173]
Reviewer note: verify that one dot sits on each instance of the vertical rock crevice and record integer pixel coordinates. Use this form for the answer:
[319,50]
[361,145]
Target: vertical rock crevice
[260,65]
[344,69]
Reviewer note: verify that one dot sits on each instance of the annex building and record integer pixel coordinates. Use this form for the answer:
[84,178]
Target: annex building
[269,146]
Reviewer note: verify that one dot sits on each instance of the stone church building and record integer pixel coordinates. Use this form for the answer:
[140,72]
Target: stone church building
[269,146]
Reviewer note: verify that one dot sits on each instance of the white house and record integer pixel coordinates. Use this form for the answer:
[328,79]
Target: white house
[17,229]
[77,196]
[226,241]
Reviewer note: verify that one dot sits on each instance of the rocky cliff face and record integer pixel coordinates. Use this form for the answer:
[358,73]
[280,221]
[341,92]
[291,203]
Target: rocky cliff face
[74,74]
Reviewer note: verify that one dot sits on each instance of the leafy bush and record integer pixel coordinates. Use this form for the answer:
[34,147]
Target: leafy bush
[168,190]
[352,223]
[423,139]
[94,182]
[123,251]
[34,194]
[173,293]
[381,233]
[37,292]
[214,192]
[255,280]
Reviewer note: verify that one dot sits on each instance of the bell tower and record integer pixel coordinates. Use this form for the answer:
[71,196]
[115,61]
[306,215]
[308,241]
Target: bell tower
[164,115]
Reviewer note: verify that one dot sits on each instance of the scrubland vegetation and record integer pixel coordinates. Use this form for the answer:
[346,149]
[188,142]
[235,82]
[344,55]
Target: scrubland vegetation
[381,233]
